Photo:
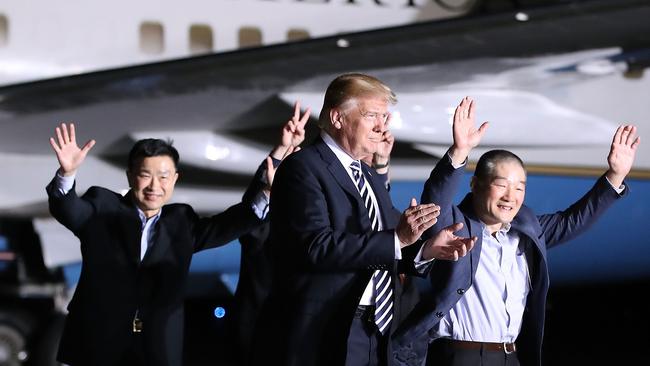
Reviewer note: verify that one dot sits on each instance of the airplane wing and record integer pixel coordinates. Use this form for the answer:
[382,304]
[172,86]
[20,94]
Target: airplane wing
[554,82]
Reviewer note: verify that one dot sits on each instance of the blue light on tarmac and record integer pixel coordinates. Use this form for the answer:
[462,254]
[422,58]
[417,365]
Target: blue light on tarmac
[219,312]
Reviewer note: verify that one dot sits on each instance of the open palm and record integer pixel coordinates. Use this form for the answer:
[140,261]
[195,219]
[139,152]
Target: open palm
[69,154]
[466,135]
[622,152]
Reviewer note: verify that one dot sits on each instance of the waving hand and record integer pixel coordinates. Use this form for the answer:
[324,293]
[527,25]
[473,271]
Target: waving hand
[466,135]
[69,154]
[621,154]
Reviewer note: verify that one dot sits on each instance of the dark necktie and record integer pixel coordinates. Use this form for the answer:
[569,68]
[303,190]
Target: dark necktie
[381,279]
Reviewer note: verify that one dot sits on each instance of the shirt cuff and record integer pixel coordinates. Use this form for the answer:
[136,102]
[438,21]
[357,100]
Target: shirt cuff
[618,190]
[398,247]
[260,205]
[421,264]
[64,184]
[454,165]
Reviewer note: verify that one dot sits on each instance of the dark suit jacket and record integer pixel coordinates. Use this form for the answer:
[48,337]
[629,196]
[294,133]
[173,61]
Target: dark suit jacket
[324,252]
[255,278]
[114,283]
[450,280]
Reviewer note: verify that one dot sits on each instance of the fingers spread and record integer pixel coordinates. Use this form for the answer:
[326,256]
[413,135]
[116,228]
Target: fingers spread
[54,145]
[305,117]
[617,135]
[89,145]
[59,136]
[66,136]
[296,110]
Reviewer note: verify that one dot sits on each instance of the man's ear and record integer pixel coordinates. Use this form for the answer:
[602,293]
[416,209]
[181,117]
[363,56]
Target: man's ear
[336,118]
[473,183]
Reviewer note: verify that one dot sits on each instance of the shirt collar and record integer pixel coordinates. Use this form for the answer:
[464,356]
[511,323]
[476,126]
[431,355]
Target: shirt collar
[505,228]
[343,157]
[143,217]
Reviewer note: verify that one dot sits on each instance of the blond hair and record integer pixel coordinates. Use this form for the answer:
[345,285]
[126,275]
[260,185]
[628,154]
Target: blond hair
[348,87]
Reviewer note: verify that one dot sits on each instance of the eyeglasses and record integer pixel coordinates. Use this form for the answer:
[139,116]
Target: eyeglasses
[374,116]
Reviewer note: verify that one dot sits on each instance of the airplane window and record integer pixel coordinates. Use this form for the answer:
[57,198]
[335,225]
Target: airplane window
[297,34]
[4,30]
[151,38]
[250,37]
[201,38]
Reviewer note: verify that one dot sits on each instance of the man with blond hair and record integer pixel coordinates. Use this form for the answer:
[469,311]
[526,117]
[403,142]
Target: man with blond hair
[338,243]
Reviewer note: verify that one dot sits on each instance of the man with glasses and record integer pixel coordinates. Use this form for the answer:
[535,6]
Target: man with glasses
[338,243]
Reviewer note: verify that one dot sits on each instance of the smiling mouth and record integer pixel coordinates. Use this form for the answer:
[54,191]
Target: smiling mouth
[506,208]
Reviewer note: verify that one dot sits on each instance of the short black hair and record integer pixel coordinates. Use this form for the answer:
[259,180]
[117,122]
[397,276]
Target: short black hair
[488,162]
[147,148]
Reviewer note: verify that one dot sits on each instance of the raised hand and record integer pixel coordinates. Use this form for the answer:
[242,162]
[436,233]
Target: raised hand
[446,245]
[415,220]
[382,156]
[293,133]
[622,153]
[466,135]
[69,154]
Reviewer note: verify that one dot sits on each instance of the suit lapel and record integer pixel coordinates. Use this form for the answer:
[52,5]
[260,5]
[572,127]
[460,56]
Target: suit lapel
[474,228]
[339,173]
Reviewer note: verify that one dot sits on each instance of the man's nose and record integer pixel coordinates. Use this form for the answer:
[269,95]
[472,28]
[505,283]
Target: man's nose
[510,191]
[380,125]
[154,183]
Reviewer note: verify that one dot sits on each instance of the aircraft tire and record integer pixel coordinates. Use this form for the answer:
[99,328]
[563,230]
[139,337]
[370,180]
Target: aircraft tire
[12,345]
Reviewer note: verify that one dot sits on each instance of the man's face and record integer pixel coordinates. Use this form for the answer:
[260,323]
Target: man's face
[152,182]
[360,125]
[499,199]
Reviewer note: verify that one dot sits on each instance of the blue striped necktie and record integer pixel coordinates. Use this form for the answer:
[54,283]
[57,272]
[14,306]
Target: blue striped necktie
[382,281]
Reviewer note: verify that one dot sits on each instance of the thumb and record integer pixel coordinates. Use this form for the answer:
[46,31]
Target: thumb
[483,128]
[89,145]
[454,227]
[413,202]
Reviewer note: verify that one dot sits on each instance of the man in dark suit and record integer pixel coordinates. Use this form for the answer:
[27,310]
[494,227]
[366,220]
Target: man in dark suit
[488,308]
[255,268]
[337,241]
[136,250]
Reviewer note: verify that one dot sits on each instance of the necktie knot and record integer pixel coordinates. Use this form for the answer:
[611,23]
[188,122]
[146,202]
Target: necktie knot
[355,166]
[356,169]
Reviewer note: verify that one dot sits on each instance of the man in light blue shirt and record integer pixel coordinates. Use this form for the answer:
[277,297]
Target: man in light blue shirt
[488,308]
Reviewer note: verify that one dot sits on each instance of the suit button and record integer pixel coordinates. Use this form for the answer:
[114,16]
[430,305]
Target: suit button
[460,291]
[439,314]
